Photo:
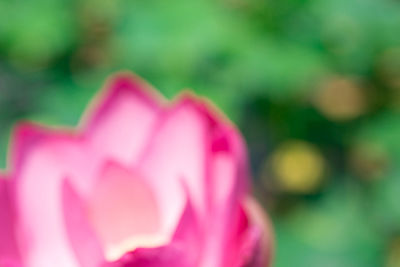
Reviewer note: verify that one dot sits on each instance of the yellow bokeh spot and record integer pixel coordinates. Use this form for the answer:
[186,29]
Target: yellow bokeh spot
[298,167]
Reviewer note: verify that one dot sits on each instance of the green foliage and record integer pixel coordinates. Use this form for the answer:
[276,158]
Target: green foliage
[265,64]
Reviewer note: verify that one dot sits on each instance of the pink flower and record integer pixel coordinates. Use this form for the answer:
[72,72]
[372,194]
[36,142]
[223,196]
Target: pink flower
[140,183]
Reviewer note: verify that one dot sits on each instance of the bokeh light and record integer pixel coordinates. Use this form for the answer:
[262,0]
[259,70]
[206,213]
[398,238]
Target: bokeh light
[298,166]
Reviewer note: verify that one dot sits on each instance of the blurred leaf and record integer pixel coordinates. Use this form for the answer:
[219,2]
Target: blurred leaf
[336,231]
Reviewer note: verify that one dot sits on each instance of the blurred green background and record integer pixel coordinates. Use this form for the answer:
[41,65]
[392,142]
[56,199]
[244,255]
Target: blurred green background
[314,86]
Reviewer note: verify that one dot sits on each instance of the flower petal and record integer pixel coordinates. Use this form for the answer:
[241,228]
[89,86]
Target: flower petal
[228,183]
[120,122]
[9,251]
[250,244]
[83,240]
[260,233]
[177,153]
[38,192]
[181,251]
[165,256]
[221,223]
[124,213]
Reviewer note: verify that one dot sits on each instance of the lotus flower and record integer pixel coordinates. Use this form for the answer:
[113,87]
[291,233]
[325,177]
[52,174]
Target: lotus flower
[141,182]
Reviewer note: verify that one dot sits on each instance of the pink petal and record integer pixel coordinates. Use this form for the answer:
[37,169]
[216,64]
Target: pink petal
[121,122]
[182,251]
[250,242]
[260,233]
[188,232]
[43,159]
[124,212]
[9,263]
[229,179]
[221,222]
[165,256]
[208,154]
[228,183]
[83,240]
[26,135]
[9,252]
[250,253]
[177,153]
